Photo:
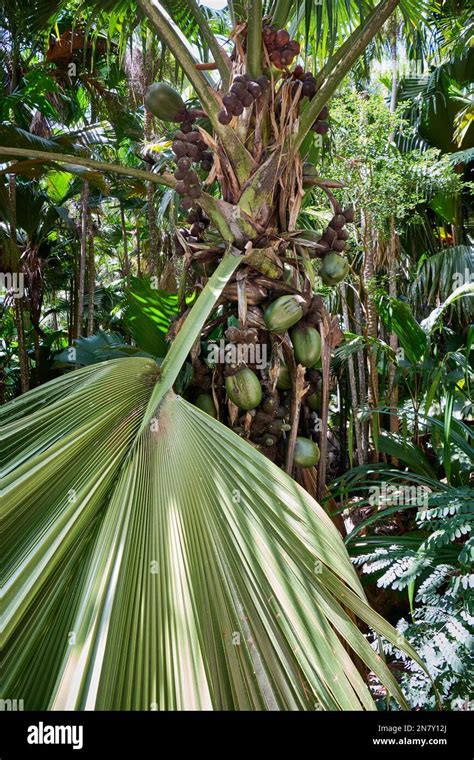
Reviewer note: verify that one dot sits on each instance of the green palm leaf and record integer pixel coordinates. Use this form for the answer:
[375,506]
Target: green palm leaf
[173,567]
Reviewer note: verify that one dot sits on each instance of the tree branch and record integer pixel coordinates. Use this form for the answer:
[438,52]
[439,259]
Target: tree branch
[220,58]
[164,179]
[226,217]
[179,50]
[354,46]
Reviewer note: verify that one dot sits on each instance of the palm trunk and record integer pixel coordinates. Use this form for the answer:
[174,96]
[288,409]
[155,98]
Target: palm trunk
[361,367]
[18,308]
[126,261]
[392,290]
[81,269]
[150,189]
[22,355]
[352,381]
[394,246]
[72,308]
[323,438]
[371,326]
[91,276]
[138,247]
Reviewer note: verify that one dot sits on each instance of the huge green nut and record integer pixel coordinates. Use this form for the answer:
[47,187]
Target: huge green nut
[314,401]
[284,378]
[244,389]
[307,345]
[306,452]
[163,101]
[283,313]
[205,402]
[334,268]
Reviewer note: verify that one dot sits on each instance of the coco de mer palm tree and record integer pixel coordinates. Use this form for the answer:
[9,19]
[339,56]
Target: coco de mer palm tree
[158,557]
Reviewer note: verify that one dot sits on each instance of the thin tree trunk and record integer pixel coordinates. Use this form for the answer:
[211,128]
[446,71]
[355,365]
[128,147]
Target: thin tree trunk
[72,307]
[324,327]
[138,247]
[126,261]
[147,77]
[3,395]
[18,308]
[394,243]
[82,260]
[91,276]
[369,242]
[54,316]
[361,366]
[392,291]
[22,355]
[352,381]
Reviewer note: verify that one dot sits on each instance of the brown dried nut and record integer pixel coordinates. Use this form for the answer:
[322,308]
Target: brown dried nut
[195,192]
[282,37]
[238,89]
[329,234]
[246,99]
[179,148]
[269,35]
[339,245]
[250,335]
[233,334]
[224,117]
[275,58]
[230,101]
[337,222]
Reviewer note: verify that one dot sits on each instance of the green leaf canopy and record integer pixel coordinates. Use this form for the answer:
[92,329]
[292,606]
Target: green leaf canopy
[168,565]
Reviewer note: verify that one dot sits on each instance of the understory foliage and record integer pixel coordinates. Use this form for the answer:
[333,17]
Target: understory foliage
[437,573]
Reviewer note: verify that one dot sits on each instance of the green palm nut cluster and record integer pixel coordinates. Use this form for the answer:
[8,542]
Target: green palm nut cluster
[306,452]
[283,313]
[244,389]
[307,345]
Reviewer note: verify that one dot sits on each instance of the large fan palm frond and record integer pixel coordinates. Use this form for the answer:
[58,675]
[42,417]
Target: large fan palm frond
[168,564]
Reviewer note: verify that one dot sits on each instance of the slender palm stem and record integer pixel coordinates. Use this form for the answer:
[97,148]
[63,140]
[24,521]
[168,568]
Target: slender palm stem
[322,75]
[178,48]
[241,158]
[159,179]
[190,332]
[254,39]
[220,58]
[355,46]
